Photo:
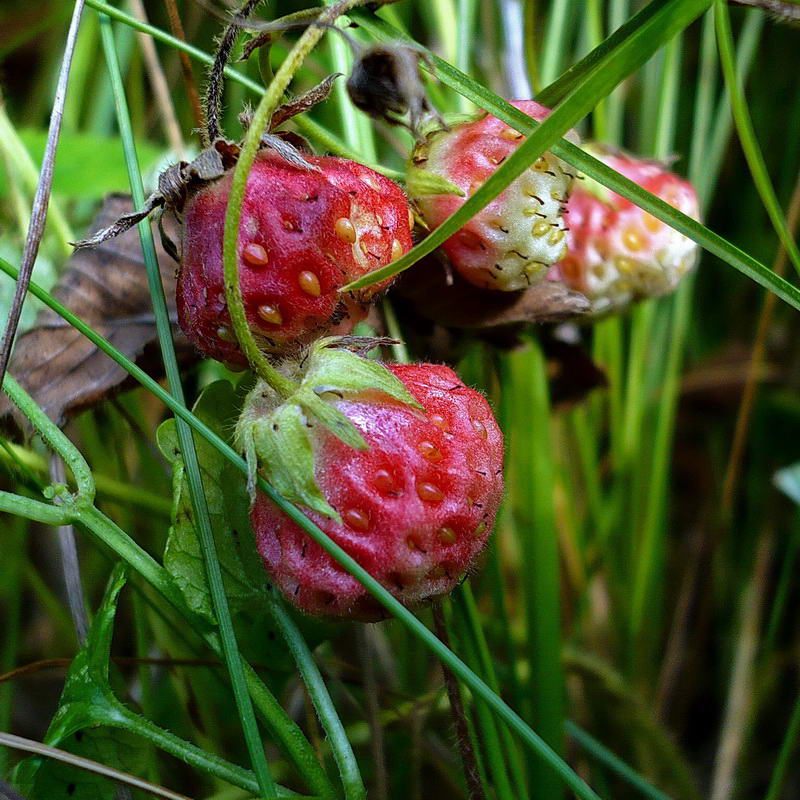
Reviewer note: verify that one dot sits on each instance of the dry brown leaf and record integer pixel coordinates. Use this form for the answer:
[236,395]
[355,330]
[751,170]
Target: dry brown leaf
[106,286]
[451,301]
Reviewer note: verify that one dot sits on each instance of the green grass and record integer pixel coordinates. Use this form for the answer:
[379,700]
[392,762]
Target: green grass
[630,632]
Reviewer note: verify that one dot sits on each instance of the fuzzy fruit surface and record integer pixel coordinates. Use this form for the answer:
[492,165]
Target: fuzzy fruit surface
[303,235]
[511,242]
[416,508]
[617,252]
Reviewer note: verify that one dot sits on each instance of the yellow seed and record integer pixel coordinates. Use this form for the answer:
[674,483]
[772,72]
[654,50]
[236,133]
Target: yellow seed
[632,239]
[363,245]
[651,223]
[369,181]
[429,492]
[479,530]
[625,265]
[430,451]
[511,135]
[270,313]
[397,249]
[541,164]
[447,535]
[480,428]
[439,421]
[255,254]
[556,236]
[344,230]
[309,283]
[410,218]
[541,228]
[225,334]
[383,481]
[356,519]
[412,544]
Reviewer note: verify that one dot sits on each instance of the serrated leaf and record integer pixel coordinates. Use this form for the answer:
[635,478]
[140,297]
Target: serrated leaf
[228,505]
[86,701]
[286,456]
[340,371]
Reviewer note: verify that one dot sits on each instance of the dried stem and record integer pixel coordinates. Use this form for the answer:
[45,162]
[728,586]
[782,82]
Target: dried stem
[367,658]
[37,748]
[755,369]
[741,691]
[176,26]
[70,565]
[41,199]
[468,759]
[158,81]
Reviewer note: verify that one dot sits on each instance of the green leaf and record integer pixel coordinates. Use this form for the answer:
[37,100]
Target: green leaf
[88,166]
[332,369]
[330,416]
[286,457]
[227,505]
[86,701]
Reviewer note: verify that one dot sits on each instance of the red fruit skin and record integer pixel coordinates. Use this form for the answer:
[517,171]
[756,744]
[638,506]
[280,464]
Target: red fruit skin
[618,253]
[511,242]
[417,507]
[292,214]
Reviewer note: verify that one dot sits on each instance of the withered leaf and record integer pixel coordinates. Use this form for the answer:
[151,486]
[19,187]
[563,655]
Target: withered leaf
[449,300]
[107,287]
[439,312]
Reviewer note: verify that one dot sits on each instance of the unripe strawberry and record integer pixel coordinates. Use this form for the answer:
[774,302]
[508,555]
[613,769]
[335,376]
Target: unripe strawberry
[414,507]
[510,244]
[619,253]
[303,235]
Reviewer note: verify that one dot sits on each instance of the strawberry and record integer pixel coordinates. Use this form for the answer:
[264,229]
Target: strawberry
[304,234]
[414,505]
[509,244]
[619,253]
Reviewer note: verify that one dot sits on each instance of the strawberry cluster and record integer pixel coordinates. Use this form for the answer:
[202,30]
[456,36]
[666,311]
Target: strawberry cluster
[400,465]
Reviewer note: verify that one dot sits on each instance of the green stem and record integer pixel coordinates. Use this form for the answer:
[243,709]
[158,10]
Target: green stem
[337,737]
[54,438]
[785,754]
[202,519]
[747,135]
[110,488]
[233,215]
[122,717]
[531,483]
[613,762]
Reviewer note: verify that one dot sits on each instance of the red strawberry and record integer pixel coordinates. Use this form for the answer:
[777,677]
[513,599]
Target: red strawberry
[303,235]
[510,244]
[416,508]
[618,252]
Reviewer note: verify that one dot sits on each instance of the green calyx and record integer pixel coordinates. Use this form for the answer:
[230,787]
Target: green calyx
[422,182]
[278,436]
